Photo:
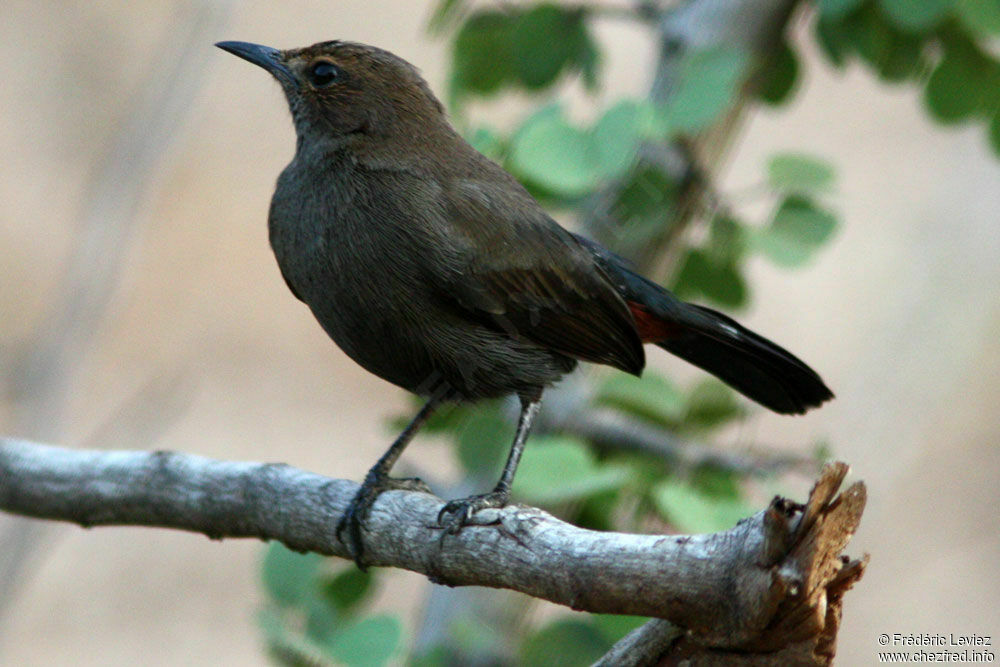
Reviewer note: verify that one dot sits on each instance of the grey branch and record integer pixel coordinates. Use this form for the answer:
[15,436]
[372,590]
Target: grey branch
[758,586]
[607,428]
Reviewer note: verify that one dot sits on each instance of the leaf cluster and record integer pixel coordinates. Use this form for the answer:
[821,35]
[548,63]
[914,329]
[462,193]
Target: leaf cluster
[583,166]
[521,46]
[314,614]
[946,47]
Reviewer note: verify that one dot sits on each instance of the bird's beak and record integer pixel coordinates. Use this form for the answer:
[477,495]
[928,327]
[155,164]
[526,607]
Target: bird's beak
[264,56]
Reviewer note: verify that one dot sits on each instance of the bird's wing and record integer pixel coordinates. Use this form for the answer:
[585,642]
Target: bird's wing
[518,269]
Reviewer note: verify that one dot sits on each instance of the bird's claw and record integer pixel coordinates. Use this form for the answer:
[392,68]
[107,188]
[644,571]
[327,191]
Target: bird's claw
[456,514]
[360,507]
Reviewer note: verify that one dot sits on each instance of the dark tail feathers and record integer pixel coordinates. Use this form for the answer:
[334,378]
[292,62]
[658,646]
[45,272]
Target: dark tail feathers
[750,364]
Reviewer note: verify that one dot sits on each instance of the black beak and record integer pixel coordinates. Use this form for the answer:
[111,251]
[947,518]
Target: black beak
[264,56]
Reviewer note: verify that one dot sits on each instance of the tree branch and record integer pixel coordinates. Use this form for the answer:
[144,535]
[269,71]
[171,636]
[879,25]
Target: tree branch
[606,428]
[812,575]
[756,586]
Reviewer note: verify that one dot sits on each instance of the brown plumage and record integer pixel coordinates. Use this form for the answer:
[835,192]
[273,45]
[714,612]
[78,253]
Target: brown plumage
[435,269]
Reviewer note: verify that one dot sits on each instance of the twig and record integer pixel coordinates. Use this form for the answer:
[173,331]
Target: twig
[643,646]
[605,428]
[731,590]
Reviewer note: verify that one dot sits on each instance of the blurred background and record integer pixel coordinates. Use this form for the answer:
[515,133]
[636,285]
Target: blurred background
[139,163]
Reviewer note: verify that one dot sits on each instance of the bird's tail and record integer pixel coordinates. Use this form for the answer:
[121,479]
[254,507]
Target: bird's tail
[749,363]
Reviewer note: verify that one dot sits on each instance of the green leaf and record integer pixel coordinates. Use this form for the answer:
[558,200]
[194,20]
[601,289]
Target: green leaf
[651,397]
[322,621]
[437,656]
[648,193]
[563,643]
[799,173]
[660,123]
[833,38]
[979,16]
[697,271]
[799,218]
[288,576]
[448,418]
[348,588]
[718,279]
[904,61]
[893,54]
[614,141]
[780,77]
[708,81]
[615,626]
[552,153]
[729,288]
[481,56]
[287,647]
[727,239]
[916,16]
[567,161]
[483,442]
[546,39]
[691,511]
[956,86]
[560,469]
[990,99]
[711,403]
[372,641]
[530,47]
[994,131]
[716,483]
[444,15]
[270,623]
[797,230]
[836,9]
[589,61]
[598,511]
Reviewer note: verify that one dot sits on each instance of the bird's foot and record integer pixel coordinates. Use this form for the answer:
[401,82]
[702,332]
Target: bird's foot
[456,514]
[360,507]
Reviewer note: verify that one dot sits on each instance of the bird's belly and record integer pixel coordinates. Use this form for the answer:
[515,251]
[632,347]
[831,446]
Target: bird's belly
[374,302]
[370,324]
[421,354]
[407,338]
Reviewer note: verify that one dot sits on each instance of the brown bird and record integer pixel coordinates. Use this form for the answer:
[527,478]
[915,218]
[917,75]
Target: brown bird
[433,268]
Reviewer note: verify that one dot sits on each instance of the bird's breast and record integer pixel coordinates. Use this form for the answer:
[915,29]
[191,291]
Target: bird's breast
[346,251]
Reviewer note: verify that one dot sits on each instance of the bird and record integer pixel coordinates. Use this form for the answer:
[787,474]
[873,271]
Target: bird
[432,267]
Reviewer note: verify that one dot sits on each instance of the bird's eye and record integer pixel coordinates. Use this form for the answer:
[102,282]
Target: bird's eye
[323,73]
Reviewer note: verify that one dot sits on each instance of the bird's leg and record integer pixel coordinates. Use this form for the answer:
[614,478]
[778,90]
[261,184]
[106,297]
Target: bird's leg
[457,513]
[377,480]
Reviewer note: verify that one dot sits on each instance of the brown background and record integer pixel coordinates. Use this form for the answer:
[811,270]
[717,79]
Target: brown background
[901,314]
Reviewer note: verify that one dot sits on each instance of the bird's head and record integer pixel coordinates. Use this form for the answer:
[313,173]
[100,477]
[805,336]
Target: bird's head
[337,89]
